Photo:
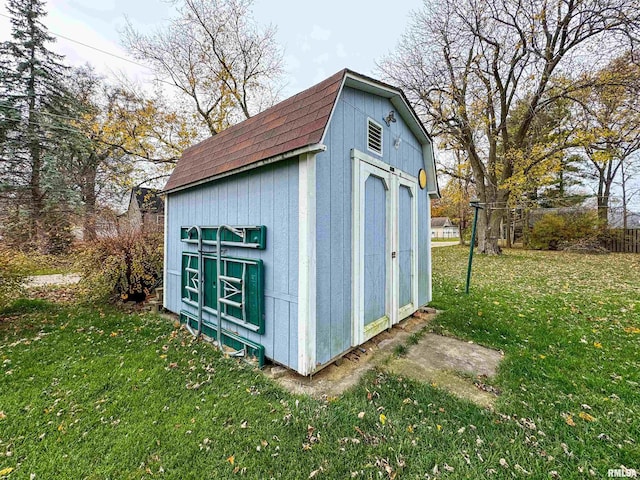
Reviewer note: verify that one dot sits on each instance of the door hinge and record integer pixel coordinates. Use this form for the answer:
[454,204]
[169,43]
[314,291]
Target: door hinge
[393,254]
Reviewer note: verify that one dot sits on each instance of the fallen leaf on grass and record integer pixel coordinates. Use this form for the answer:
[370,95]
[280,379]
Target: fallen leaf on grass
[585,416]
[231,459]
[632,330]
[597,344]
[361,415]
[2,415]
[316,472]
[6,471]
[383,418]
[570,421]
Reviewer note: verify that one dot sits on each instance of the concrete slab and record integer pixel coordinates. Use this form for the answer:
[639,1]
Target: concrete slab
[441,361]
[55,279]
[446,353]
[334,379]
[455,365]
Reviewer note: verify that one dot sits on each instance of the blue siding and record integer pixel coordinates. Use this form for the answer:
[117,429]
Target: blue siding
[265,196]
[347,130]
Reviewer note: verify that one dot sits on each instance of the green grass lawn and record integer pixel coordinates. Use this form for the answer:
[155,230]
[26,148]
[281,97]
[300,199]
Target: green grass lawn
[96,393]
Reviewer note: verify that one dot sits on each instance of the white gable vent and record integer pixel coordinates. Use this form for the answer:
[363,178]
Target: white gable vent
[374,137]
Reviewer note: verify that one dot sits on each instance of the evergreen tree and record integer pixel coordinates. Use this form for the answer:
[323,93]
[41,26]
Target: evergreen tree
[32,109]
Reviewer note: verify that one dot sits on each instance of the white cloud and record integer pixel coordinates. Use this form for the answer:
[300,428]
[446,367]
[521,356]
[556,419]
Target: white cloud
[319,33]
[322,58]
[340,51]
[320,75]
[292,62]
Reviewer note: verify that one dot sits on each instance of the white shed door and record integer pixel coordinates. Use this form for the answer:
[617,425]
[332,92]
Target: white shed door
[384,247]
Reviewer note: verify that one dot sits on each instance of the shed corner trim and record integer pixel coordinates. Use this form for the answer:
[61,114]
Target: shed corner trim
[307,263]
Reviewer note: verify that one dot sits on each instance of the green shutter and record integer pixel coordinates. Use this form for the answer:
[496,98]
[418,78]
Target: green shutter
[255,236]
[230,339]
[252,283]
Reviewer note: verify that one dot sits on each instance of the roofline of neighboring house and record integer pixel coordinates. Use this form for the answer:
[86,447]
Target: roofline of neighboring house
[363,83]
[314,148]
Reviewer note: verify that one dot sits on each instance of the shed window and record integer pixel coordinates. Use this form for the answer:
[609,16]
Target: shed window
[374,137]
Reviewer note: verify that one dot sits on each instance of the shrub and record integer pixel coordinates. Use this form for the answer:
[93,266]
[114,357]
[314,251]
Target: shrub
[552,230]
[126,267]
[13,271]
[59,234]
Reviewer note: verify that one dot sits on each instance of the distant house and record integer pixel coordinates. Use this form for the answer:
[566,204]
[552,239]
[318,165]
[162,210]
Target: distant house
[616,218]
[443,227]
[145,212]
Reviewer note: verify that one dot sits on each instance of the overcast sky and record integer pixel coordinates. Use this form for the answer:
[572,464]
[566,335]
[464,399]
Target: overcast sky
[319,38]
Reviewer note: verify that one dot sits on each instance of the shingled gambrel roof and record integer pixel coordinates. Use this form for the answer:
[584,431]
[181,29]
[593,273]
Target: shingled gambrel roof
[294,123]
[289,128]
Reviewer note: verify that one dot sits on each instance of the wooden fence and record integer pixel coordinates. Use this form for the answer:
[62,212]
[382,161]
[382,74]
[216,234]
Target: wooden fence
[623,241]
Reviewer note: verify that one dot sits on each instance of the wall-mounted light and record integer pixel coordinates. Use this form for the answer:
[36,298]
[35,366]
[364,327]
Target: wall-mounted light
[390,118]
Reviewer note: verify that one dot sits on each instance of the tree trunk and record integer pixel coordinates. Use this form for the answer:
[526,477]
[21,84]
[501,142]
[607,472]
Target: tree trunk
[36,197]
[508,227]
[624,198]
[89,196]
[488,232]
[526,230]
[489,219]
[603,204]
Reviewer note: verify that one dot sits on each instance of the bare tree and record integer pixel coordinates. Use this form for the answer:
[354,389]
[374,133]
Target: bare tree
[629,171]
[467,63]
[609,114]
[216,54]
[120,134]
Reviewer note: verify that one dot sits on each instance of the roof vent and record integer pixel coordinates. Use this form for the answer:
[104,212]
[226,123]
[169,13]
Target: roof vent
[374,137]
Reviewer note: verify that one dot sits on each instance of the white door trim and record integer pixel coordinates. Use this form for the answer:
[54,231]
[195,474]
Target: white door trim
[406,310]
[363,166]
[384,322]
[165,272]
[361,172]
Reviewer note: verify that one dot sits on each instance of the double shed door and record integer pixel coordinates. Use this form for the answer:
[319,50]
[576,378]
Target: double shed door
[385,247]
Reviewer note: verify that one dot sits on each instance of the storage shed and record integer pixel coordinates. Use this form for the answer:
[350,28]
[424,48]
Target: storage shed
[320,208]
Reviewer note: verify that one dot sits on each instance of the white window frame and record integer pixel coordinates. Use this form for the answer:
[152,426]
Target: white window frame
[372,121]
